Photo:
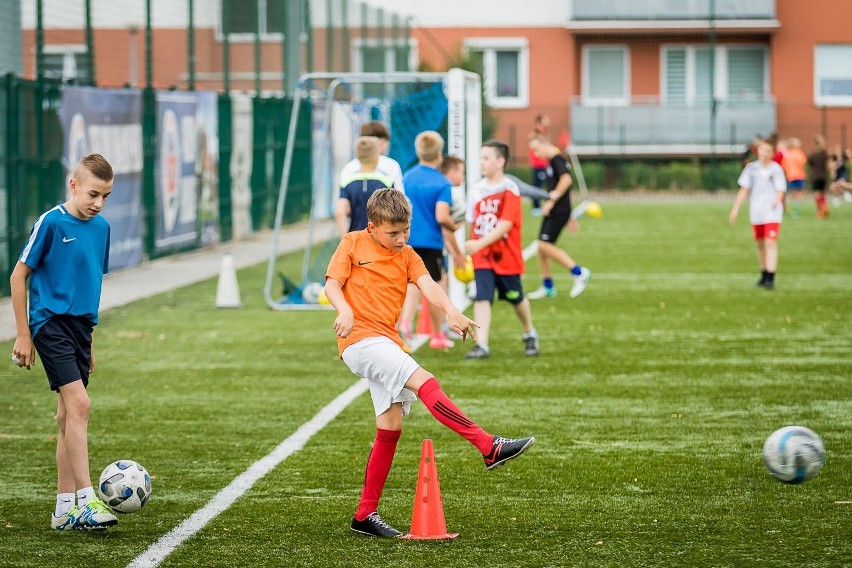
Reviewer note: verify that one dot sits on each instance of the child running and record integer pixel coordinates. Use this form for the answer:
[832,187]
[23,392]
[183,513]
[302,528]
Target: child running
[366,282]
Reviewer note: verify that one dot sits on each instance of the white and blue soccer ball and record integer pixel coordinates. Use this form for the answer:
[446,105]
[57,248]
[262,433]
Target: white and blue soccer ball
[124,486]
[793,454]
[311,293]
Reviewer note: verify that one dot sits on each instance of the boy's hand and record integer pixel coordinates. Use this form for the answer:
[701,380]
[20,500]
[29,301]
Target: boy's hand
[344,322]
[732,216]
[24,351]
[546,208]
[573,225]
[462,325]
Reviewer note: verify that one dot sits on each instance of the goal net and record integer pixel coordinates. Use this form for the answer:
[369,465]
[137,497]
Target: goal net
[407,103]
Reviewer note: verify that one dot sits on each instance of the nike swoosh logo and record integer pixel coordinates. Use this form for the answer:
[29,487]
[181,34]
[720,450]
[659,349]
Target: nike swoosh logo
[67,240]
[363,262]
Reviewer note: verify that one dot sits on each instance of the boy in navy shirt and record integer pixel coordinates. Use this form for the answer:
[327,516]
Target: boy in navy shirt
[65,259]
[351,211]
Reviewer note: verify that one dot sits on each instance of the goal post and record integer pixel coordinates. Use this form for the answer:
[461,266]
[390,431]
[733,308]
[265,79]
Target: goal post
[408,103]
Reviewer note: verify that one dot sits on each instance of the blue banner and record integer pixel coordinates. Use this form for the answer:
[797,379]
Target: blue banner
[176,182]
[108,121]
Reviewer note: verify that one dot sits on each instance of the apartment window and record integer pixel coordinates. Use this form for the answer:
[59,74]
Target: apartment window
[740,73]
[505,69]
[606,75]
[246,18]
[66,62]
[833,75]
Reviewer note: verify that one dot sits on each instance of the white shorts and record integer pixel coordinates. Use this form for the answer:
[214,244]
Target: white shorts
[387,367]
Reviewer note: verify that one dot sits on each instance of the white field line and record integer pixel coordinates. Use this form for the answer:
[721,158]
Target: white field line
[158,551]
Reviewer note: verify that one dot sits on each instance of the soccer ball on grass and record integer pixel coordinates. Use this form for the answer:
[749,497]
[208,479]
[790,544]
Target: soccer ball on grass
[124,486]
[793,454]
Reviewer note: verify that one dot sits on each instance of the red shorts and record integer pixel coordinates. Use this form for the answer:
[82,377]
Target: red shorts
[767,231]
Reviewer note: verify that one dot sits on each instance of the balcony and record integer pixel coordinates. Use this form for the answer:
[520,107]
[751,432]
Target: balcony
[681,16]
[650,126]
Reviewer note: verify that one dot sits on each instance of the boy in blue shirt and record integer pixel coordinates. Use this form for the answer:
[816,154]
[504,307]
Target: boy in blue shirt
[431,196]
[65,259]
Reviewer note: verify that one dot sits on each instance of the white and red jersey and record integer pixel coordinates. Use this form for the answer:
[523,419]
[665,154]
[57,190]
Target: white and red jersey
[489,203]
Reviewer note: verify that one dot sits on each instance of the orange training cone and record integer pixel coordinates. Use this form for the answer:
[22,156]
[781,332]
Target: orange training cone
[424,320]
[427,520]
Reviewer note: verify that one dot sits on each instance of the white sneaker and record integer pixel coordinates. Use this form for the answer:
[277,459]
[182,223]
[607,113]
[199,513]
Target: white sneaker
[580,282]
[542,293]
[847,196]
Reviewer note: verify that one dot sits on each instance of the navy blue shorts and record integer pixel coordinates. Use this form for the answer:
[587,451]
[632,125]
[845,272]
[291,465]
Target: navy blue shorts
[64,345]
[508,286]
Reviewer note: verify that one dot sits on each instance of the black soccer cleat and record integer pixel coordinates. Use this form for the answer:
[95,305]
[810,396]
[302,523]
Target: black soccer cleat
[504,449]
[373,525]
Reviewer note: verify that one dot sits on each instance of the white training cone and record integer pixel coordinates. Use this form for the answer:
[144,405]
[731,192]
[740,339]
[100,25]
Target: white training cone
[228,289]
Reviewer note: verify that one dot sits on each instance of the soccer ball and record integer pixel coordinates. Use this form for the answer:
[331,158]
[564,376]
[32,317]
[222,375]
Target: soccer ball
[464,273]
[594,210]
[793,454]
[311,293]
[125,486]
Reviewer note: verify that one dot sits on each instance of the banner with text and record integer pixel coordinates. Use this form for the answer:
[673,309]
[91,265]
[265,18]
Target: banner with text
[207,166]
[108,121]
[176,182]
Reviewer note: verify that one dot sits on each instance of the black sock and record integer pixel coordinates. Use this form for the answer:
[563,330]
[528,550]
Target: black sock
[764,276]
[770,277]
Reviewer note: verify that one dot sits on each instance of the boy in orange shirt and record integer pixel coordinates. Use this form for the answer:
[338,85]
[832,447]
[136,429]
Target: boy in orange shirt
[366,282]
[793,162]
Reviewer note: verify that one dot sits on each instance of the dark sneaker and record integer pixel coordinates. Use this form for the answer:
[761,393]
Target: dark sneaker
[769,285]
[478,352]
[504,449]
[373,525]
[531,346]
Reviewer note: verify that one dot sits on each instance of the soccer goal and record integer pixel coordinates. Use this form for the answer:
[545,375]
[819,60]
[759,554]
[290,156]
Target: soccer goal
[407,103]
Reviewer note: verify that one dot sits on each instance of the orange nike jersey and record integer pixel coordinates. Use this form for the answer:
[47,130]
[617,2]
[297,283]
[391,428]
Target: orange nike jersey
[374,281]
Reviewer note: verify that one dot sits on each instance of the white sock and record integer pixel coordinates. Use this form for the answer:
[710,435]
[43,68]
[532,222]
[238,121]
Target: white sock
[64,504]
[84,496]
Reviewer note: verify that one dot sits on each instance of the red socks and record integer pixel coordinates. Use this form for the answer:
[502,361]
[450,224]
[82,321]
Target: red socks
[448,414]
[378,467]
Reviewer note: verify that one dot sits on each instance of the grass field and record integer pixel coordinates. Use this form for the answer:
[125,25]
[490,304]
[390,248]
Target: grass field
[650,402]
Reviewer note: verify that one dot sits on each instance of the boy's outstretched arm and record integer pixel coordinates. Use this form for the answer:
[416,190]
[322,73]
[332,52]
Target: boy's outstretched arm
[457,321]
[23,348]
[345,320]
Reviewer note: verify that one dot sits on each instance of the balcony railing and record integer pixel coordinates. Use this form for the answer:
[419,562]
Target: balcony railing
[673,10]
[662,127]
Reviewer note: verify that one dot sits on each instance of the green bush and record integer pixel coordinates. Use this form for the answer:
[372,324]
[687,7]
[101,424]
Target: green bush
[638,175]
[724,177]
[593,174]
[679,175]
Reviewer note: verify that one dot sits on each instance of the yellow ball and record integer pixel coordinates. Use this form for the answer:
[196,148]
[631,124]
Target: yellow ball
[594,210]
[322,299]
[464,273]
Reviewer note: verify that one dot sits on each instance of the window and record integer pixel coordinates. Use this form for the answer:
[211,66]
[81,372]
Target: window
[66,62]
[606,75]
[833,75]
[740,74]
[247,17]
[505,69]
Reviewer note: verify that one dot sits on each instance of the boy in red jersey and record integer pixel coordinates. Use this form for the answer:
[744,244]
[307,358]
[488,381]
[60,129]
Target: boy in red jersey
[494,221]
[366,282]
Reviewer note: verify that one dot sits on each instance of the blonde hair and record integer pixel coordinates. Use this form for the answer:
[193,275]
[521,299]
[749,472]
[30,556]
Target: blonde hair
[429,146]
[367,149]
[96,165]
[388,206]
[794,142]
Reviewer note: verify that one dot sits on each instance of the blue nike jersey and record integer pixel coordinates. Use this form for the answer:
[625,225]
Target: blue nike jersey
[68,257]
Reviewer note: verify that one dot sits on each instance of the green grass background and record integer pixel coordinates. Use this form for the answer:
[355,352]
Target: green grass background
[650,402]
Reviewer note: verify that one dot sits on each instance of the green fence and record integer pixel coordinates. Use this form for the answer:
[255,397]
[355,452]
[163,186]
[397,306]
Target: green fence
[32,175]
